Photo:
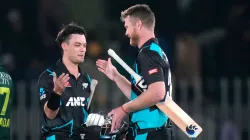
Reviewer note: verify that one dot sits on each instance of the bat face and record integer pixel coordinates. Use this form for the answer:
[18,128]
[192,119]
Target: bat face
[180,118]
[92,89]
[192,131]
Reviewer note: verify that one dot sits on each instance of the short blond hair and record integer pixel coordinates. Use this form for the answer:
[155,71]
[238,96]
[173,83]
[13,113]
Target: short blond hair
[141,12]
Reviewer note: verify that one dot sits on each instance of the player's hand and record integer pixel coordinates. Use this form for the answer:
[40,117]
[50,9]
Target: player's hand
[60,83]
[118,116]
[107,68]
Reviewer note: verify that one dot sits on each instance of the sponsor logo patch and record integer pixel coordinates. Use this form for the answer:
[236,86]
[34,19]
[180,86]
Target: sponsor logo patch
[155,70]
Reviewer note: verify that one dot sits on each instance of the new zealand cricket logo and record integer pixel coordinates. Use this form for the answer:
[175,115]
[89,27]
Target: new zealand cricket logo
[191,129]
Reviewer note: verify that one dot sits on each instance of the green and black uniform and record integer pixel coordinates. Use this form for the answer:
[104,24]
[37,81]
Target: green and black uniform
[6,94]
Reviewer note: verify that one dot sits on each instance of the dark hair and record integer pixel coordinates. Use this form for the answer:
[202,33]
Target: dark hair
[67,31]
[142,12]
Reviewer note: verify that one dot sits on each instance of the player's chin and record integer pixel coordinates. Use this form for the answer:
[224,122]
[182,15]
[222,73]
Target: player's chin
[80,60]
[132,43]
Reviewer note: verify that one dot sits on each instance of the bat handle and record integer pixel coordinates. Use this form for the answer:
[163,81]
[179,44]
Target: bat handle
[124,65]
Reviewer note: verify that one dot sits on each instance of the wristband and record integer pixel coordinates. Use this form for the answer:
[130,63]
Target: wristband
[54,101]
[124,110]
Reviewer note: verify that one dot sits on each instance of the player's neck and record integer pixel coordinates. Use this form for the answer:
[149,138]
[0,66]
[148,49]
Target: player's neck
[72,68]
[146,36]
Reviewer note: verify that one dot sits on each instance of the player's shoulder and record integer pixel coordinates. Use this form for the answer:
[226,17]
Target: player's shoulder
[47,74]
[151,50]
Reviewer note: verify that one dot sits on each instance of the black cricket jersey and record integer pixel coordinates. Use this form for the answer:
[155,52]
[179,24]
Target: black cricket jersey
[152,64]
[73,105]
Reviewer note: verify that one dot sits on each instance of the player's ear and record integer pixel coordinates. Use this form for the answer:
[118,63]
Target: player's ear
[64,46]
[139,24]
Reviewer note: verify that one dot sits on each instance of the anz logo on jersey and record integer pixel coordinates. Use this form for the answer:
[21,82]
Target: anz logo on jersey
[76,101]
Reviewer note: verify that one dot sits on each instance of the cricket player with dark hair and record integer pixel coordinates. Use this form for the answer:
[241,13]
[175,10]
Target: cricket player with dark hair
[6,98]
[147,122]
[65,90]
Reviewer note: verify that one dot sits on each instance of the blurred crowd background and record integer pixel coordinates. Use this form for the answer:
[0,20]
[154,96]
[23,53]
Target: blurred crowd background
[206,41]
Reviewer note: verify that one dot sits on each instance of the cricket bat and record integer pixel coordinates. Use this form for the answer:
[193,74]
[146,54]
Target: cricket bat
[92,91]
[169,107]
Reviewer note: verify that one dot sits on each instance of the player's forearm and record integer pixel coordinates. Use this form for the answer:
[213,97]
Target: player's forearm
[51,114]
[150,97]
[51,107]
[145,100]
[123,84]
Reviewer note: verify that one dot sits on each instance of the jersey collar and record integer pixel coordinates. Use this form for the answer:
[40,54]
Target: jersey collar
[149,42]
[61,65]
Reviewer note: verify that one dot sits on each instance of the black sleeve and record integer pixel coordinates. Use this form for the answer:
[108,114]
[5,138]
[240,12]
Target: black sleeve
[151,66]
[45,87]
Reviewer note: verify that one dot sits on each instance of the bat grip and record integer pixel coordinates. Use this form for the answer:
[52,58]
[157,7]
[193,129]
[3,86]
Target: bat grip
[123,64]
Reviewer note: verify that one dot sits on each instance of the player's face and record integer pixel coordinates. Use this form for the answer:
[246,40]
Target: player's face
[131,31]
[75,49]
